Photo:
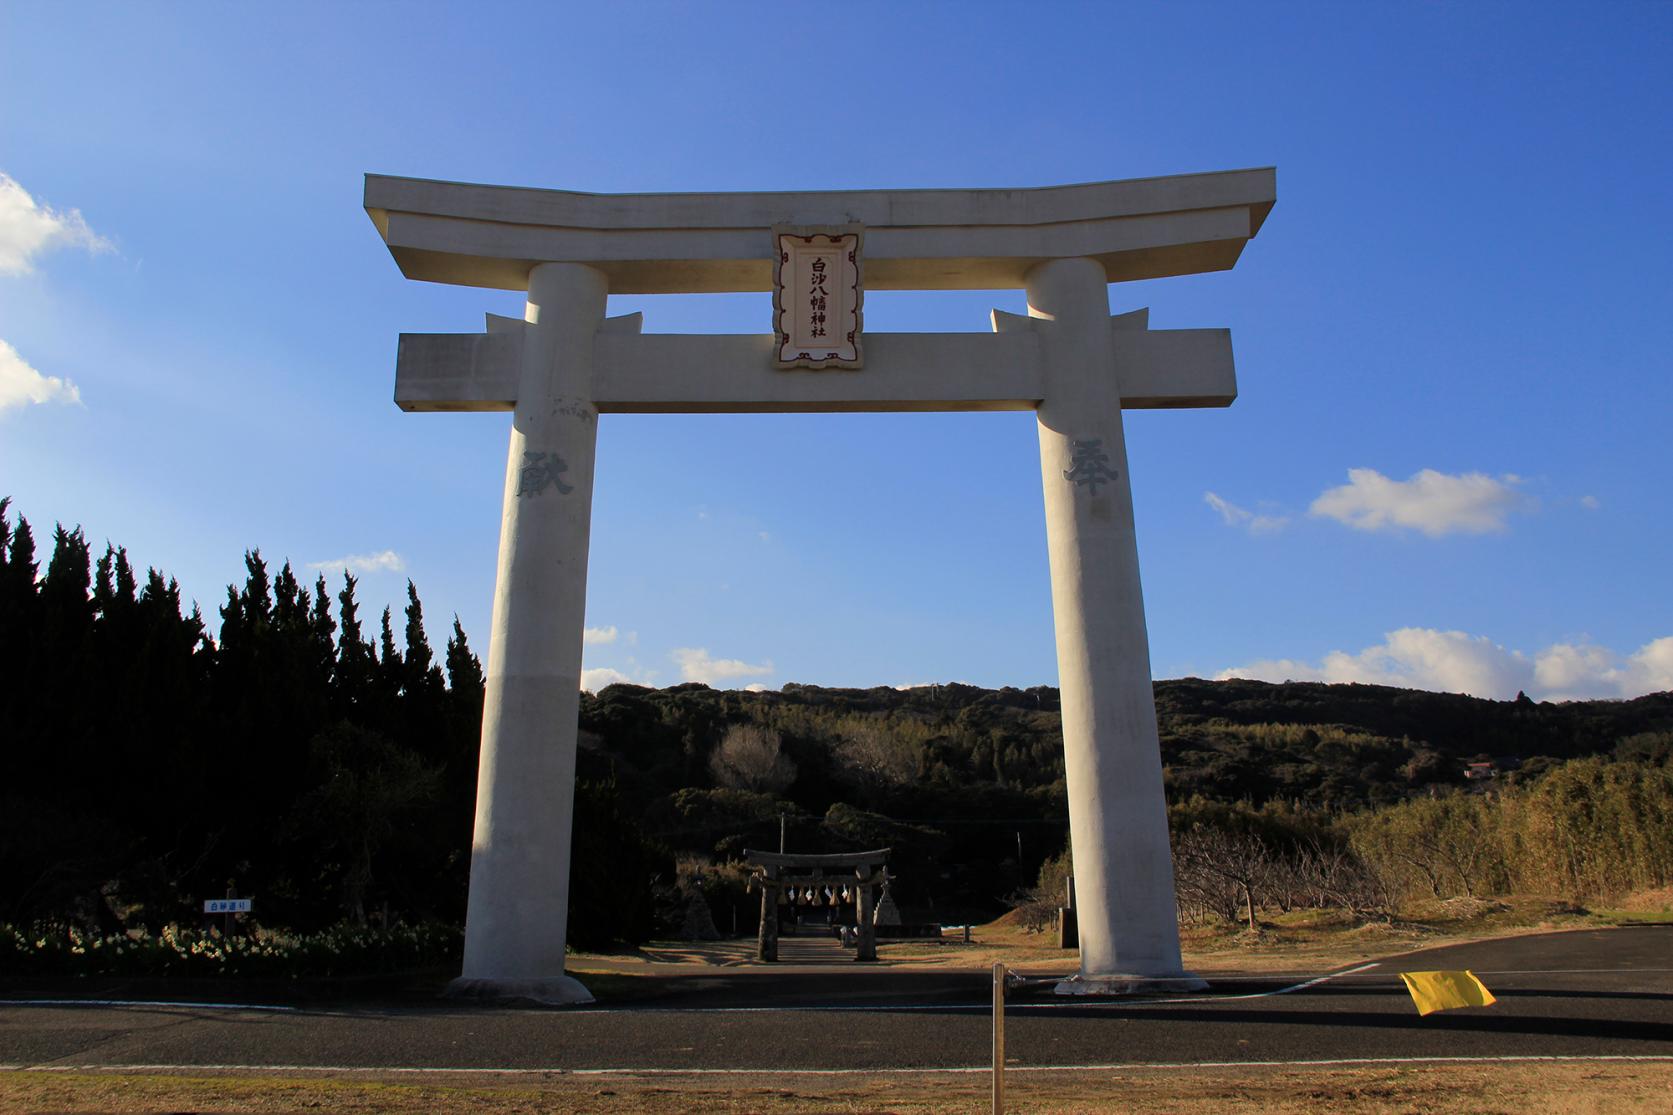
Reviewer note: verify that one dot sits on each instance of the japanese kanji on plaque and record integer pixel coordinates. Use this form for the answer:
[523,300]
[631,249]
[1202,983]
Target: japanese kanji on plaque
[816,298]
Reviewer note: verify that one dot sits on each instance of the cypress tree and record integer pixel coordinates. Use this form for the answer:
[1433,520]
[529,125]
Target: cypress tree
[19,638]
[126,584]
[423,692]
[290,601]
[68,579]
[464,734]
[64,661]
[20,564]
[419,658]
[387,677]
[322,630]
[118,721]
[104,588]
[355,658]
[464,669]
[388,656]
[20,568]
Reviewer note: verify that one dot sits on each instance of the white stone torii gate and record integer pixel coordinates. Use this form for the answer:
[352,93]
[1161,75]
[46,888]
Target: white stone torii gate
[566,363]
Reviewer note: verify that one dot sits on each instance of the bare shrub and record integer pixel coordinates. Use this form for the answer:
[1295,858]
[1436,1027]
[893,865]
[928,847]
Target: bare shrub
[1036,906]
[881,755]
[1220,873]
[1331,876]
[751,757]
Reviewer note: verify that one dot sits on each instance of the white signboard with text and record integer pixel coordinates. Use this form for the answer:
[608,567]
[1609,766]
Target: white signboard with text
[817,294]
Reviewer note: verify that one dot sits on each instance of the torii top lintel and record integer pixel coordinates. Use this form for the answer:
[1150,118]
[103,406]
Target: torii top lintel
[988,239]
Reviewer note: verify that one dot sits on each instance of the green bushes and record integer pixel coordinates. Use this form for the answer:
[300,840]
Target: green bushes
[345,950]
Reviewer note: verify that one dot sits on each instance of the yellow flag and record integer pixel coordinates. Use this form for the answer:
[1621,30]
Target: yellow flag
[1433,991]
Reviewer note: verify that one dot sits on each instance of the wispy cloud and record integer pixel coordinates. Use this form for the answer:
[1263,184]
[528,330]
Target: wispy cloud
[1434,503]
[696,664]
[29,229]
[1456,662]
[385,561]
[1251,521]
[598,636]
[21,385]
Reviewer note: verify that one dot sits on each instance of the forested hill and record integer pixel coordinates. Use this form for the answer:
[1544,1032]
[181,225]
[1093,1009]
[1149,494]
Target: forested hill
[1331,746]
[966,784]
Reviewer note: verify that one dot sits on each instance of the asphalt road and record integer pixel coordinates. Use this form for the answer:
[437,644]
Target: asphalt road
[1589,993]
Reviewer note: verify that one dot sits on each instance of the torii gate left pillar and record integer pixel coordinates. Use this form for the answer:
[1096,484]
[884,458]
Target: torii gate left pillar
[518,912]
[565,363]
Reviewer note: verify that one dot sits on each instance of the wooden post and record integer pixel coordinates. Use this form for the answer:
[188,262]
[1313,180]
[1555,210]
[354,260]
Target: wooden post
[867,949]
[766,937]
[998,1038]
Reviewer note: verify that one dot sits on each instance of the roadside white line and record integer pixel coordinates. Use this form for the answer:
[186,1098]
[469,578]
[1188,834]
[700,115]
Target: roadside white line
[139,1003]
[1565,971]
[1111,1066]
[1067,1003]
[821,1008]
[1302,986]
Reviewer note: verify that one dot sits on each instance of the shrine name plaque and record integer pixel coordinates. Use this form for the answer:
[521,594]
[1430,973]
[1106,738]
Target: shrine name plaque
[817,292]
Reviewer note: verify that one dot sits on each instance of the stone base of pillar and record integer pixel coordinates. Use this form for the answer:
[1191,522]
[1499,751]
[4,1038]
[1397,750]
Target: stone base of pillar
[553,991]
[1131,985]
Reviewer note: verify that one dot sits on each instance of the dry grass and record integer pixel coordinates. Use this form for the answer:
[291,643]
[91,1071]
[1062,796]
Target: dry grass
[1654,905]
[1309,941]
[1474,1089]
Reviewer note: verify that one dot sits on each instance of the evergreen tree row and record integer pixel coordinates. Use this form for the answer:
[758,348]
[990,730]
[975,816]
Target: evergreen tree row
[150,763]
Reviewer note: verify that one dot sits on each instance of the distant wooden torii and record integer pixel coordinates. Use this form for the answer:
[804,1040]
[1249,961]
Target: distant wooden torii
[774,871]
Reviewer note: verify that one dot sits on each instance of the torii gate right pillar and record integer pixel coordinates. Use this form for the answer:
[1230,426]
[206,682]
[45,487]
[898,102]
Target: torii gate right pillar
[1129,935]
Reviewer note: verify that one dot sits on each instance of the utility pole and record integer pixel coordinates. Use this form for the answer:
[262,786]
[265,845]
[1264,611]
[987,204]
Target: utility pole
[781,831]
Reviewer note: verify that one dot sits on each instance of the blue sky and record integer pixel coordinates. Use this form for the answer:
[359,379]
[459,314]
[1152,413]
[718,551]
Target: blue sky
[1448,467]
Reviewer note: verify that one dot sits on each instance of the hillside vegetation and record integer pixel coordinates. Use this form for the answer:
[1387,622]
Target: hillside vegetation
[325,765]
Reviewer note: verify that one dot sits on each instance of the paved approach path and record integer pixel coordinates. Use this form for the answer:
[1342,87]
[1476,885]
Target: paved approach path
[1587,993]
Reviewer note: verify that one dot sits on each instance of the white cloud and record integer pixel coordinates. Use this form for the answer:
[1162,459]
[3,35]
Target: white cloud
[1432,502]
[696,665]
[757,687]
[1455,662]
[595,636]
[387,561]
[931,684]
[1236,516]
[1568,671]
[21,385]
[1411,658]
[29,229]
[1650,669]
[595,679]
[1590,503]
